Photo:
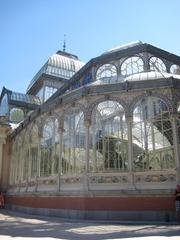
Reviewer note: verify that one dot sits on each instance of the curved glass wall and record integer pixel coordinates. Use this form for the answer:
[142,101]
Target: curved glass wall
[152,136]
[73,143]
[156,64]
[49,148]
[108,137]
[132,65]
[107,73]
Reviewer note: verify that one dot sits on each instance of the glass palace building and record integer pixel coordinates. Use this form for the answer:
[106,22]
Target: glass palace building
[99,140]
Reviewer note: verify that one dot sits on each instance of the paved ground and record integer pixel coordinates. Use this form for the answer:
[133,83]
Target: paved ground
[20,226]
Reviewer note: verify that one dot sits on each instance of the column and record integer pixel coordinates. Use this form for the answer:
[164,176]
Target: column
[61,130]
[129,121]
[38,158]
[176,145]
[87,124]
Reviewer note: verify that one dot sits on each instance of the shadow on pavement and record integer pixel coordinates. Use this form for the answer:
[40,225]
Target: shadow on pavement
[15,224]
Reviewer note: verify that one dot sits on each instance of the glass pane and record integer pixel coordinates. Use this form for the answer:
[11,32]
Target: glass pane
[108,137]
[132,65]
[152,135]
[107,73]
[156,64]
[73,154]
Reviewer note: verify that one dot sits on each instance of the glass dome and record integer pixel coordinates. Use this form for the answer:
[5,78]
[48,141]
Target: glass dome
[60,64]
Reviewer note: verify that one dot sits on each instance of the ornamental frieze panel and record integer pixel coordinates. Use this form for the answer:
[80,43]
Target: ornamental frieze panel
[71,180]
[109,179]
[150,178]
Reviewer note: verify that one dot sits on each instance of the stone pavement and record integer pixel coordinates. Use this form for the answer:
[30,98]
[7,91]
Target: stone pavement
[19,226]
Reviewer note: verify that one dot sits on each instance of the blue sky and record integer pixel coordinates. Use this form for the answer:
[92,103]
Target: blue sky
[32,30]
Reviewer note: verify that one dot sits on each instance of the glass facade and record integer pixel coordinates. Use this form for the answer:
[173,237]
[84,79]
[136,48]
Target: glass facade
[152,136]
[73,143]
[101,134]
[48,92]
[49,148]
[4,109]
[20,97]
[108,147]
[46,151]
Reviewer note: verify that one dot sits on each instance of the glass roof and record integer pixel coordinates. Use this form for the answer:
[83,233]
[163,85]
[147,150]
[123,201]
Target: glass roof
[124,46]
[61,65]
[150,76]
[20,97]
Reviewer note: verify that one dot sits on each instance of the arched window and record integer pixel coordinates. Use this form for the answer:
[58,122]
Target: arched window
[16,115]
[107,73]
[152,136]
[108,136]
[156,64]
[49,148]
[73,144]
[132,65]
[175,69]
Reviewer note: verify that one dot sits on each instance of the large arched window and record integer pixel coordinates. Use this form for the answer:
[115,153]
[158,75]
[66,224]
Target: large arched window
[108,136]
[156,64]
[73,144]
[49,148]
[152,136]
[132,65]
[107,73]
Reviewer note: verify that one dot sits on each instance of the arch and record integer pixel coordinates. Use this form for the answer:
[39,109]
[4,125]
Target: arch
[107,73]
[175,69]
[157,64]
[152,135]
[89,109]
[108,137]
[164,98]
[132,65]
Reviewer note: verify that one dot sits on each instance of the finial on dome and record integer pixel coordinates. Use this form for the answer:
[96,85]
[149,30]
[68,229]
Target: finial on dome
[64,44]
